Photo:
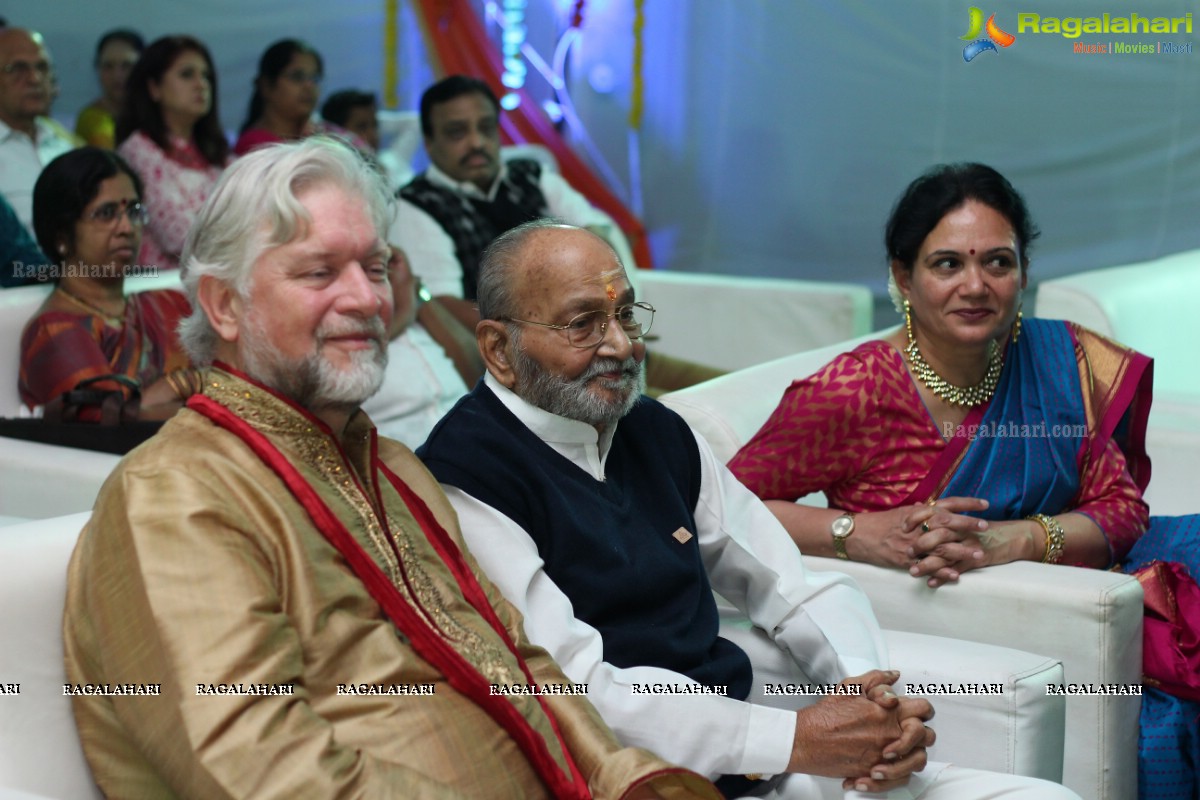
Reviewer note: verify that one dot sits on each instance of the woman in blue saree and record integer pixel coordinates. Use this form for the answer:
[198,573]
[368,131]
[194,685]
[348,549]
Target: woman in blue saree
[971,437]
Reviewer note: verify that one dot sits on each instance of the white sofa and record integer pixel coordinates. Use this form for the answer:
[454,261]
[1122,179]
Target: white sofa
[1089,619]
[39,750]
[1020,730]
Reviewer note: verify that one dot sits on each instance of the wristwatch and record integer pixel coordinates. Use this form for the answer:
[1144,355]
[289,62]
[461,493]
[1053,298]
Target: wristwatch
[841,529]
[423,295]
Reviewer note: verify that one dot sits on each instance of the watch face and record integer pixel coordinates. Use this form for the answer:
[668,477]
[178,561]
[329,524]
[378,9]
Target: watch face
[843,526]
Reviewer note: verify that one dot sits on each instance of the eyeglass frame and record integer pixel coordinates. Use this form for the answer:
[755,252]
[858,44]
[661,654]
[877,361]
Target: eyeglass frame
[603,325]
[22,69]
[121,207]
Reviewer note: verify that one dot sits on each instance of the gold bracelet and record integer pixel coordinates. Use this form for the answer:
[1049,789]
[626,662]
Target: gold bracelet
[185,382]
[172,379]
[1055,537]
[195,381]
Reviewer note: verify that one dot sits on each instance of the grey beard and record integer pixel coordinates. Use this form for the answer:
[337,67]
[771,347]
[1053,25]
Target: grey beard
[572,398]
[311,381]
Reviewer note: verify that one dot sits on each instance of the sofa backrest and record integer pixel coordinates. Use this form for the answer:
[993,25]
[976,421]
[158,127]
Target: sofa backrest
[1150,307]
[729,410]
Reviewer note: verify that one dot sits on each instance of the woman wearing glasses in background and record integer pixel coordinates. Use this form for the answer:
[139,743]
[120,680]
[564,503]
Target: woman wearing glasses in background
[88,215]
[170,132]
[286,91]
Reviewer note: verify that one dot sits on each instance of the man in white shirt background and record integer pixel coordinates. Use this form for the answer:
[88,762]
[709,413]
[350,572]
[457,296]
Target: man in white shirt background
[28,139]
[469,195]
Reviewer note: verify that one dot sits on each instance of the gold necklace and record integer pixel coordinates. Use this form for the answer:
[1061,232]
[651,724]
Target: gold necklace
[968,396]
[114,320]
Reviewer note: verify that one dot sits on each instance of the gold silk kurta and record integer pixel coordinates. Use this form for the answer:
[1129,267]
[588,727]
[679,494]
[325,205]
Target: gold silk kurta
[200,568]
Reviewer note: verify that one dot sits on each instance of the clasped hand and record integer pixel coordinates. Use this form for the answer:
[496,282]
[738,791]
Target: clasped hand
[936,541]
[948,543]
[874,740]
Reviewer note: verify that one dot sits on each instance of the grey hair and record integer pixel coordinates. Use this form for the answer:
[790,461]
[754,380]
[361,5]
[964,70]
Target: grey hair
[496,291]
[255,207]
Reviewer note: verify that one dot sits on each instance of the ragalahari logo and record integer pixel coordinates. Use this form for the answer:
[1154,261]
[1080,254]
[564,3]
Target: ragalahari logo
[994,37]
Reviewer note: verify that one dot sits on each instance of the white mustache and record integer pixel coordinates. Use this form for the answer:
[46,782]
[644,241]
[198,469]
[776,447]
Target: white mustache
[629,368]
[372,327]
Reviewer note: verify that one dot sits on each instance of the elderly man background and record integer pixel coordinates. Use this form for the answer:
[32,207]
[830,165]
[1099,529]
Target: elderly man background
[294,588]
[469,196]
[609,523]
[421,382]
[28,139]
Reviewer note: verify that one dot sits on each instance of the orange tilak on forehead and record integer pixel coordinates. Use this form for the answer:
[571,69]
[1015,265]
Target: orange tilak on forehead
[608,279]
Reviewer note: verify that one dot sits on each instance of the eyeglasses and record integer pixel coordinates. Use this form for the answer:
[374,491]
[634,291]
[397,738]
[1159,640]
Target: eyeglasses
[23,69]
[109,212]
[300,76]
[587,330]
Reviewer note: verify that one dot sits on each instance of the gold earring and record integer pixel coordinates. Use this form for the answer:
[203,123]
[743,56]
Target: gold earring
[1016,332]
[908,321]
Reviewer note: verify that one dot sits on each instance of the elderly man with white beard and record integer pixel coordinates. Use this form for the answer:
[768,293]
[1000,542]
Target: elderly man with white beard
[609,523]
[289,591]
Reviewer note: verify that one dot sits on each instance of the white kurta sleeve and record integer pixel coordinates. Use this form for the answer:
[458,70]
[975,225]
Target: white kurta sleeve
[822,619]
[429,248]
[710,734]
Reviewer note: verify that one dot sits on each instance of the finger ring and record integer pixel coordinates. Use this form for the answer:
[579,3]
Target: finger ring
[925,527]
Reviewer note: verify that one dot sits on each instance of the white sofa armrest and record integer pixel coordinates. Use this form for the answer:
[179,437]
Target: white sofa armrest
[1015,729]
[1018,729]
[1089,619]
[728,410]
[42,480]
[39,747]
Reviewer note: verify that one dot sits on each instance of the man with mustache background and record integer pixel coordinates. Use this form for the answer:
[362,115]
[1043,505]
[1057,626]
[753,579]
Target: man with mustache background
[448,214]
[467,197]
[602,517]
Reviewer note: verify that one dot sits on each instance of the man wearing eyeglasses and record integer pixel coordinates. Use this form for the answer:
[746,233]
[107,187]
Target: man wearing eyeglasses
[28,139]
[609,524]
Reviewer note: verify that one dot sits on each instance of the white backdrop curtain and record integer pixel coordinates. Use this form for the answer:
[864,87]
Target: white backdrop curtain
[778,133]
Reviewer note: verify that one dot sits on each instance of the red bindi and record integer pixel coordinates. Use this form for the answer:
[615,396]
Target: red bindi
[972,251]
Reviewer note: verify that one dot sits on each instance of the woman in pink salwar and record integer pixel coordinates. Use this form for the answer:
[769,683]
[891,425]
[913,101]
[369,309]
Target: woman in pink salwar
[170,132]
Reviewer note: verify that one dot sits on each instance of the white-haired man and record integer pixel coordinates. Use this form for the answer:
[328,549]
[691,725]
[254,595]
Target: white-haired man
[609,524]
[290,592]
